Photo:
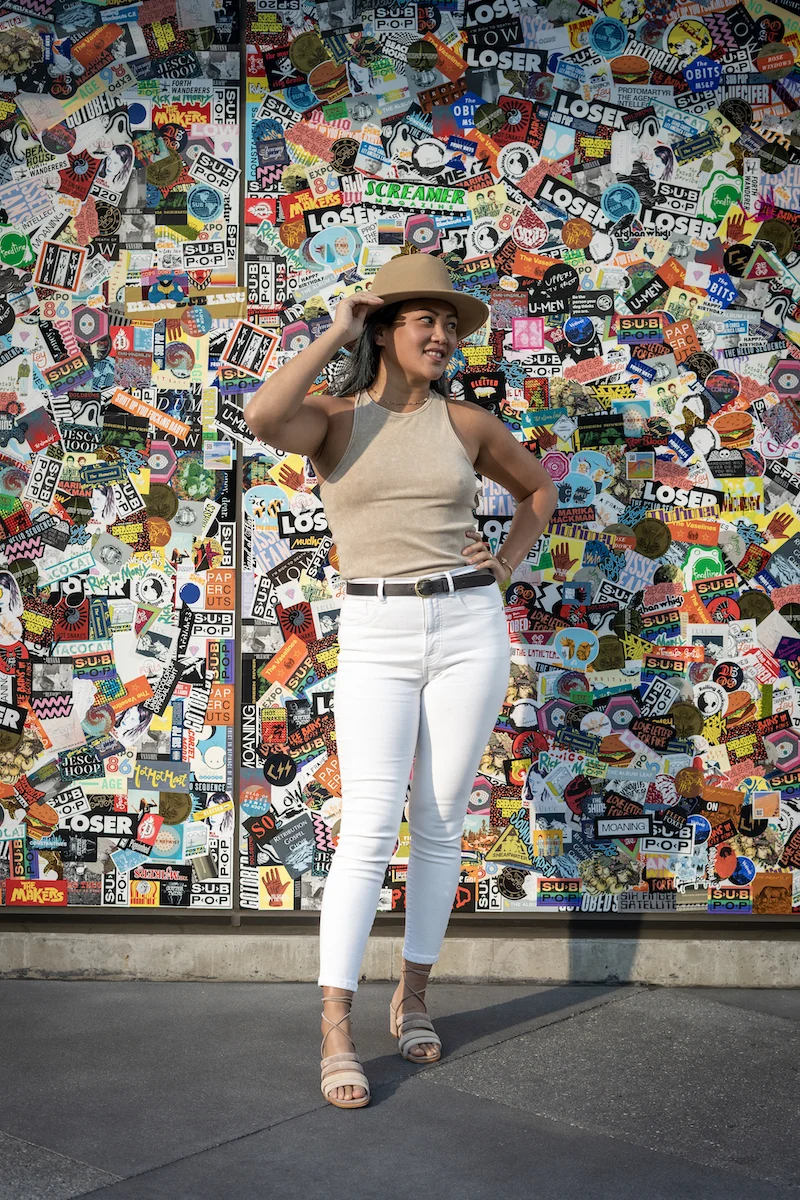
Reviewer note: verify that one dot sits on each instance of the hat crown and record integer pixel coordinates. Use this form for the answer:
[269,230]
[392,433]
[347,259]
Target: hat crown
[407,272]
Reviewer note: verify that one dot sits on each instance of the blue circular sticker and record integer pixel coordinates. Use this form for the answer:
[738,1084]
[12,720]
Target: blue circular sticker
[204,202]
[620,200]
[608,37]
[300,97]
[579,331]
[702,828]
[744,872]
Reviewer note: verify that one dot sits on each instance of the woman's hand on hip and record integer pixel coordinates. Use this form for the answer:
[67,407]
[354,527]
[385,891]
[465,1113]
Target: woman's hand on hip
[478,554]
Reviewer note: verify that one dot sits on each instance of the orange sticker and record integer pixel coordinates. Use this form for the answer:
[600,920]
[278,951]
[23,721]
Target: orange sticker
[220,705]
[220,590]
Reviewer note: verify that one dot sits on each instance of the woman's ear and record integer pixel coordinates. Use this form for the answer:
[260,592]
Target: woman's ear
[379,335]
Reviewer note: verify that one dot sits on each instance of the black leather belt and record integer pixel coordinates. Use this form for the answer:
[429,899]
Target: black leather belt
[423,587]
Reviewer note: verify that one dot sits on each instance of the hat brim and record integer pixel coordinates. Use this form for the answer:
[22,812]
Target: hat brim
[472,313]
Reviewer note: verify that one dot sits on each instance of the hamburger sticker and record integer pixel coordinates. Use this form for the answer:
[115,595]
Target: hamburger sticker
[734,429]
[630,69]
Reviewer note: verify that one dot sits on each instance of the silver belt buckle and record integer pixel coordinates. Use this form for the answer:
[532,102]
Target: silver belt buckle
[417,585]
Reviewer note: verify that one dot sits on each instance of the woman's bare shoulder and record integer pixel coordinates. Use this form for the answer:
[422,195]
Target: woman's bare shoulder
[328,403]
[467,411]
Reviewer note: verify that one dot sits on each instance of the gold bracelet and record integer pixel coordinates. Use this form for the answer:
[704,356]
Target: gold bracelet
[502,558]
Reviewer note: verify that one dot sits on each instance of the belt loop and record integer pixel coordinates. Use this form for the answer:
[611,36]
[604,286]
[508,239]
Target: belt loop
[451,587]
[381,593]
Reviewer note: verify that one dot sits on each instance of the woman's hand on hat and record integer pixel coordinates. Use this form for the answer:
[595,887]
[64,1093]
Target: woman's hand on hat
[479,555]
[352,312]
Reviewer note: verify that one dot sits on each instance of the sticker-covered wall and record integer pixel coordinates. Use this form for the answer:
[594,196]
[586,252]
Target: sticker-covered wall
[621,184]
[119,197]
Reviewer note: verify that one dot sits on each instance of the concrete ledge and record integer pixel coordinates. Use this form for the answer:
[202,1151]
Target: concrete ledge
[287,958]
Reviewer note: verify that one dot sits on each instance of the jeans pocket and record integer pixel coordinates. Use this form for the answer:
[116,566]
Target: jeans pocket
[481,600]
[358,611]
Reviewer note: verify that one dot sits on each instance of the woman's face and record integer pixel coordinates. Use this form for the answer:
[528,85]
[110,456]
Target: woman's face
[422,339]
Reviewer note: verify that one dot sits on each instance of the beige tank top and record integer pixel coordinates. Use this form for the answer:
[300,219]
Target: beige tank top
[402,494]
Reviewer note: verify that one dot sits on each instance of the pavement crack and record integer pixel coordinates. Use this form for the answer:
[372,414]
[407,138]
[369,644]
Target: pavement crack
[240,1137]
[67,1158]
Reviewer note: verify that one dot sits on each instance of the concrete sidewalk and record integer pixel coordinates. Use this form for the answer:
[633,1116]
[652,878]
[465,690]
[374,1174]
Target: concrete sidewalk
[134,1091]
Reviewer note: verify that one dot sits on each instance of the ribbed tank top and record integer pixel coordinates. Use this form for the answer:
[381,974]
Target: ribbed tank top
[402,494]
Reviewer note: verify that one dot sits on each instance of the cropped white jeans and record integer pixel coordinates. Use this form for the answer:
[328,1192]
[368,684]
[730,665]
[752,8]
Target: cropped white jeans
[420,681]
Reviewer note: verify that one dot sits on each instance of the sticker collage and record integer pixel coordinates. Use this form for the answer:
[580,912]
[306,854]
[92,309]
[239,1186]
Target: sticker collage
[620,183]
[119,195]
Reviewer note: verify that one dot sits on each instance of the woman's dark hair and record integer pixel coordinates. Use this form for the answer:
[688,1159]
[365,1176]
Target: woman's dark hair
[361,366]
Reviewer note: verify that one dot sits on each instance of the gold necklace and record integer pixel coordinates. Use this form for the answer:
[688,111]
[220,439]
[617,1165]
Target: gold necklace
[388,404]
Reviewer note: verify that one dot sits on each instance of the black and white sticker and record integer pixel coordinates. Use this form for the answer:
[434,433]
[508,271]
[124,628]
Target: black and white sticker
[127,498]
[41,486]
[59,266]
[208,169]
[250,348]
[203,255]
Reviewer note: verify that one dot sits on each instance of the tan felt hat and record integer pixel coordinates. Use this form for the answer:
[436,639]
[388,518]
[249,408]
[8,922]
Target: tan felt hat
[418,276]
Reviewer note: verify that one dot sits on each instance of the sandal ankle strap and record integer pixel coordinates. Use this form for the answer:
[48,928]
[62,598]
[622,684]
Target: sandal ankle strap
[413,970]
[335,1024]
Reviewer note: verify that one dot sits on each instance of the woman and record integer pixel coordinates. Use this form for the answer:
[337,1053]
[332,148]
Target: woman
[424,653]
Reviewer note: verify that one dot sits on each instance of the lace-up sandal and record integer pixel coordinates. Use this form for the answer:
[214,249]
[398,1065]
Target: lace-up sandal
[414,1028]
[340,1069]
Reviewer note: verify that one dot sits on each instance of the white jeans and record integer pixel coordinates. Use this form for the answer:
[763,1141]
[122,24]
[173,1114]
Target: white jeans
[417,675]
